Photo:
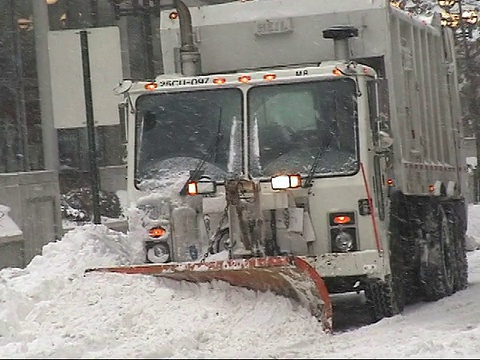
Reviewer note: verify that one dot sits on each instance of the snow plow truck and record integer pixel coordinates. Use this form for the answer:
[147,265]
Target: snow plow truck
[304,147]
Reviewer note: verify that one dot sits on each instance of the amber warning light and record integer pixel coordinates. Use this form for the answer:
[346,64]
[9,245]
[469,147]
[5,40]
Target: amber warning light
[244,79]
[156,232]
[219,81]
[151,86]
[342,219]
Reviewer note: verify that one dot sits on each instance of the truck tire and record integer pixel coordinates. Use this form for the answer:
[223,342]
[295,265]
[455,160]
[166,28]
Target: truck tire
[437,270]
[383,298]
[386,298]
[461,273]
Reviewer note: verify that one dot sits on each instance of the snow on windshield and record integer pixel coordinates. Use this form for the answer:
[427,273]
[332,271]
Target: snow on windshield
[170,175]
[176,132]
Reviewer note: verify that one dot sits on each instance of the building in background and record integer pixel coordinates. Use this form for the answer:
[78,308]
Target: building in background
[21,147]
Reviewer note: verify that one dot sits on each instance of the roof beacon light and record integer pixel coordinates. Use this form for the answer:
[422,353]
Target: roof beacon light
[269,77]
[219,81]
[244,79]
[151,86]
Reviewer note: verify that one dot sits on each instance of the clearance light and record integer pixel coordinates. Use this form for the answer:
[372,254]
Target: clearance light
[283,182]
[269,77]
[244,79]
[219,81]
[173,15]
[156,232]
[151,86]
[337,72]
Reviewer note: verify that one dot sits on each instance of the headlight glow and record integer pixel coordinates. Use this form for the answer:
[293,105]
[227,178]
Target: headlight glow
[280,182]
[283,182]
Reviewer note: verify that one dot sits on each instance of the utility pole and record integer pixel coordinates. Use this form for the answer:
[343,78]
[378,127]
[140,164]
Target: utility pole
[49,133]
[20,111]
[92,151]
[138,14]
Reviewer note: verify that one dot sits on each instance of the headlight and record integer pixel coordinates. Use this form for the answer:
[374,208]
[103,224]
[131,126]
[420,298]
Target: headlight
[158,253]
[282,182]
[343,241]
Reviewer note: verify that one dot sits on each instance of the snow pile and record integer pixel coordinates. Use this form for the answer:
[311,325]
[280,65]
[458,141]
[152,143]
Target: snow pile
[62,262]
[473,231]
[52,310]
[7,225]
[136,317]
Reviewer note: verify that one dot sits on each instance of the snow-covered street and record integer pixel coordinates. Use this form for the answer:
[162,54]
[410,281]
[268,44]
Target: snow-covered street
[51,310]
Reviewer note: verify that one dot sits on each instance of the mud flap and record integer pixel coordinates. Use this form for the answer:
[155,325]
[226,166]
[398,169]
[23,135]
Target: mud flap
[289,276]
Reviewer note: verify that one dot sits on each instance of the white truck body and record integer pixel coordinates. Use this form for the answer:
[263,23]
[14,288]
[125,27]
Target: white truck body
[419,64]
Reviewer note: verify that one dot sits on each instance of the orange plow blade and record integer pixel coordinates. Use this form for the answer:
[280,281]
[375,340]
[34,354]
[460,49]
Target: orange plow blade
[289,276]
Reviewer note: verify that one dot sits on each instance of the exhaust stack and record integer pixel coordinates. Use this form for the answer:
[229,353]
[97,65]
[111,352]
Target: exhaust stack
[340,35]
[189,55]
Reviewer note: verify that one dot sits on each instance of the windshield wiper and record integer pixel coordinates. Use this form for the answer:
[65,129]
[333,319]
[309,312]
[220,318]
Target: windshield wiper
[322,149]
[211,153]
[316,161]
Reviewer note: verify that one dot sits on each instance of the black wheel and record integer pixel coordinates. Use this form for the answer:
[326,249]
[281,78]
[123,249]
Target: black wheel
[386,298]
[461,273]
[437,271]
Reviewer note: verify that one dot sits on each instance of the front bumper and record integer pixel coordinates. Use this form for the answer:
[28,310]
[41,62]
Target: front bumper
[367,263]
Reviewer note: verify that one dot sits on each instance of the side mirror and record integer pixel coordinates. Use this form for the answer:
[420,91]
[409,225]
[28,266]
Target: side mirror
[206,186]
[122,87]
[379,114]
[384,140]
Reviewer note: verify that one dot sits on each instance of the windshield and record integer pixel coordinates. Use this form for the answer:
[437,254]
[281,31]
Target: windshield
[177,131]
[292,124]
